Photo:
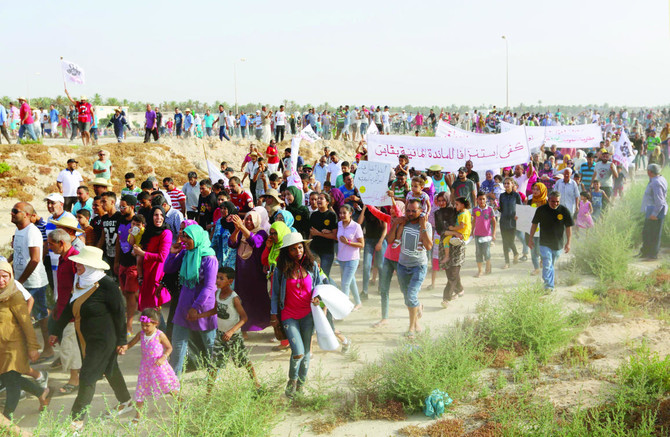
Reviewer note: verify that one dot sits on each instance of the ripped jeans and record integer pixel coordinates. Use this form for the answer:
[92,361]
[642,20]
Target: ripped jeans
[299,333]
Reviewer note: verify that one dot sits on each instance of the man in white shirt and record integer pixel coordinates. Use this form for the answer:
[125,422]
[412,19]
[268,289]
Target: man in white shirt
[321,170]
[192,192]
[569,191]
[386,121]
[280,124]
[68,181]
[334,168]
[29,269]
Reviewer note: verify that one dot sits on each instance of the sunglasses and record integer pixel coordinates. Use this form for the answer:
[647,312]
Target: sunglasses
[16,211]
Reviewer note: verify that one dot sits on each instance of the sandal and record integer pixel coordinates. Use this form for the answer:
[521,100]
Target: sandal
[45,399]
[410,335]
[68,388]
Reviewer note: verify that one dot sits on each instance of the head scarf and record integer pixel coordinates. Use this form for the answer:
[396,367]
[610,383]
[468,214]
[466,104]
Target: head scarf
[488,185]
[297,196]
[230,208]
[85,281]
[287,216]
[189,273]
[189,222]
[265,220]
[282,230]
[152,230]
[542,198]
[245,250]
[338,198]
[299,211]
[11,288]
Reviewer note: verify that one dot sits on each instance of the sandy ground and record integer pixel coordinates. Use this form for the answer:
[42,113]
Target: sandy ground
[614,340]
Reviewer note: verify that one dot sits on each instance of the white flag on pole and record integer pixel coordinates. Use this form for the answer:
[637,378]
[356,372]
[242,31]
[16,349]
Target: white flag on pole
[73,72]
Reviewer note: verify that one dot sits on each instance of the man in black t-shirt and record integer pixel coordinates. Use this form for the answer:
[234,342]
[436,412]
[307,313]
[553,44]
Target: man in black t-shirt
[553,219]
[125,265]
[110,225]
[207,198]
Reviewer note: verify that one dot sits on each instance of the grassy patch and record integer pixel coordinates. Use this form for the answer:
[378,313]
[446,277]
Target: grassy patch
[233,408]
[525,318]
[586,295]
[411,372]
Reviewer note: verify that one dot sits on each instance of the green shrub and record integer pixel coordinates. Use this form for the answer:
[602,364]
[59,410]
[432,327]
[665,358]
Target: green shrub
[4,167]
[411,372]
[526,318]
[233,408]
[644,377]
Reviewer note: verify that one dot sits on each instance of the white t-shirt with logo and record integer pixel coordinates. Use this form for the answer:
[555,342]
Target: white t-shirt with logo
[280,118]
[24,239]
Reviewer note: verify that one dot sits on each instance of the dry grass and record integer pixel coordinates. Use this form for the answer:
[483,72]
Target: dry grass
[325,426]
[489,429]
[439,428]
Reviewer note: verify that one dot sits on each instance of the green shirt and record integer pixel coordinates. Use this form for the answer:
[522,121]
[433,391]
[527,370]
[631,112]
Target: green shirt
[209,120]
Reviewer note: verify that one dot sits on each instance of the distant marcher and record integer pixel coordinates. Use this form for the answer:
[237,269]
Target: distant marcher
[655,208]
[68,181]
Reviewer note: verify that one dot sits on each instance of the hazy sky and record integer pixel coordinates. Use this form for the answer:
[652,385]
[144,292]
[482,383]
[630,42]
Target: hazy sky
[388,52]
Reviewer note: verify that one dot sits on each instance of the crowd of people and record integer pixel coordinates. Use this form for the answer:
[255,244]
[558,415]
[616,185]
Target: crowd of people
[215,260]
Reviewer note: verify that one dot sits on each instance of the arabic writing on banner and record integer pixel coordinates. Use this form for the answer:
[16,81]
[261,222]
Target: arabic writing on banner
[486,151]
[72,72]
[578,136]
[308,134]
[623,151]
[445,130]
[372,182]
[294,179]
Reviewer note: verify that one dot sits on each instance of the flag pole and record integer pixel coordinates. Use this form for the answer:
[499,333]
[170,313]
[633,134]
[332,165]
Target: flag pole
[61,72]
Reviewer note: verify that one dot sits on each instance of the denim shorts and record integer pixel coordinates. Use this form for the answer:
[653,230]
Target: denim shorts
[40,310]
[410,280]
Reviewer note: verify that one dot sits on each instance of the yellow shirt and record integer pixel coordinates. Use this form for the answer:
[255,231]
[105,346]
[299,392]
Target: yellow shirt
[465,218]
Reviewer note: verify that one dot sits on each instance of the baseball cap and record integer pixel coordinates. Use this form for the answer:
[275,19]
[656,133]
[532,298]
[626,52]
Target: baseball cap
[72,160]
[229,169]
[604,150]
[463,169]
[55,197]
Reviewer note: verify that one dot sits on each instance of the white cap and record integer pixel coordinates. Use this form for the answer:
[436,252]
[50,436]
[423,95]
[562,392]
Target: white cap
[55,197]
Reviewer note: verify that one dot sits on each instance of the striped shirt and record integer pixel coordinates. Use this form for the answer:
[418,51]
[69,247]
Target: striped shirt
[587,174]
[176,196]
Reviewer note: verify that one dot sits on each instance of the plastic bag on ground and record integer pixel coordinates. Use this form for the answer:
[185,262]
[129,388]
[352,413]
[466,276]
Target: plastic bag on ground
[435,404]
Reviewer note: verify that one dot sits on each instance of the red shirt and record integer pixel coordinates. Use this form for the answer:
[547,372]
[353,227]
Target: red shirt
[65,279]
[84,110]
[25,110]
[241,201]
[271,150]
[176,196]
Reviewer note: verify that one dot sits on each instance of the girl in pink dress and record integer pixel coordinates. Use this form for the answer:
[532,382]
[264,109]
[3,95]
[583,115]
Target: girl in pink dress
[584,219]
[156,376]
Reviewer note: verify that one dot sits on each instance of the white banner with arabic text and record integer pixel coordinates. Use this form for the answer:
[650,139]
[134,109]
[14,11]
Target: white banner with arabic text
[578,136]
[485,151]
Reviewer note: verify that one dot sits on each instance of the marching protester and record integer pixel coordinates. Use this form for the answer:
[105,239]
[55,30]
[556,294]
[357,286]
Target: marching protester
[230,256]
